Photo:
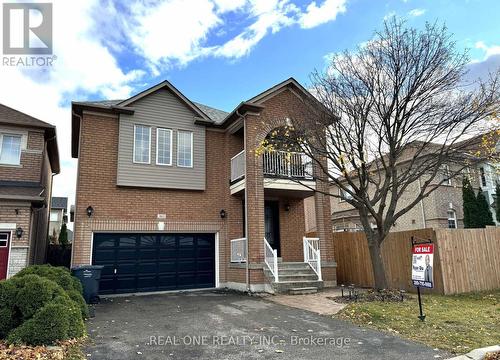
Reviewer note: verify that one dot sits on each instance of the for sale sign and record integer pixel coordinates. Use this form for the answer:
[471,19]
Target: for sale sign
[422,265]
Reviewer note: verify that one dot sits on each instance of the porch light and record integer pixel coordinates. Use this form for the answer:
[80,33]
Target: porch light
[287,207]
[222,214]
[19,232]
[90,211]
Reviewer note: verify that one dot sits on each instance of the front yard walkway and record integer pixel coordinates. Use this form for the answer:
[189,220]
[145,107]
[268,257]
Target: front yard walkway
[320,303]
[220,325]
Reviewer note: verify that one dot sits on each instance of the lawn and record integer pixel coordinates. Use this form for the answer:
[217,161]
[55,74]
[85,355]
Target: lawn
[456,323]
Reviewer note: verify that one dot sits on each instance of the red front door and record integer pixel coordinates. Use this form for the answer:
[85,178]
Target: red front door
[4,253]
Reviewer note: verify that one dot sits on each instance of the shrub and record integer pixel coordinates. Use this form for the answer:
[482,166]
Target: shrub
[59,274]
[33,292]
[76,327]
[8,316]
[50,323]
[80,301]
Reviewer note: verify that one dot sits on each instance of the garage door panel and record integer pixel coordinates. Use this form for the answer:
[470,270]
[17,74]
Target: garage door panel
[147,268]
[152,262]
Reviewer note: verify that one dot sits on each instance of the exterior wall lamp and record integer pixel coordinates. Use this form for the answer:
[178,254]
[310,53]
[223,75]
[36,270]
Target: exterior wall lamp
[19,232]
[287,207]
[90,211]
[222,214]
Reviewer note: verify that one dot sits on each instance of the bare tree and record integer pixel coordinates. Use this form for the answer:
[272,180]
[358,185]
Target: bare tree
[394,112]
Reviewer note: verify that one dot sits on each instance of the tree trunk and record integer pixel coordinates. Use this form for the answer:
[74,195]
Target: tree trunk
[377,263]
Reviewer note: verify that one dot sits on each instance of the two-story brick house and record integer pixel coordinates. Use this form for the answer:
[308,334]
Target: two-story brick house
[171,195]
[28,160]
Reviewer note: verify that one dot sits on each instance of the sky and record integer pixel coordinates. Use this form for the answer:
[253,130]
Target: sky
[217,52]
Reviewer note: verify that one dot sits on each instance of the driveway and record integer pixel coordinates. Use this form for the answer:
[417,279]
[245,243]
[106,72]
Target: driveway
[226,325]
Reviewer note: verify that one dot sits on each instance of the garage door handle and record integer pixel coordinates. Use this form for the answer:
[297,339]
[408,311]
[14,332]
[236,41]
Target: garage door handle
[115,271]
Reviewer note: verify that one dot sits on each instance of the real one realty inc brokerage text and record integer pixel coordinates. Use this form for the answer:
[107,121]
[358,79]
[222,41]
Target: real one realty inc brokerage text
[206,340]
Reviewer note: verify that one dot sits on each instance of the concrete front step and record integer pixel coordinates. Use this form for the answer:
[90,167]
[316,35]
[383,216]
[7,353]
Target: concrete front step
[303,291]
[293,275]
[286,286]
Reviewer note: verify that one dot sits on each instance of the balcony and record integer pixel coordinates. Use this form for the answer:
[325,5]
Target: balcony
[281,171]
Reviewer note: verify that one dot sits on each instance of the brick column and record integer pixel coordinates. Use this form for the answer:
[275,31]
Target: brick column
[254,185]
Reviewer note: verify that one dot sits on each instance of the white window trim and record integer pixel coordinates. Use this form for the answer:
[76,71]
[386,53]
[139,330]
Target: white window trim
[192,148]
[20,146]
[454,218]
[149,152]
[171,146]
[447,173]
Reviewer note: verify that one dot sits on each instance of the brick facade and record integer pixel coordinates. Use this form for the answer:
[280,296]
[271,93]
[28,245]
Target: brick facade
[136,209]
[35,169]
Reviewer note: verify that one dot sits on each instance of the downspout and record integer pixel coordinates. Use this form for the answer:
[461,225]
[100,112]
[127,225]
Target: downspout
[247,266]
[422,204]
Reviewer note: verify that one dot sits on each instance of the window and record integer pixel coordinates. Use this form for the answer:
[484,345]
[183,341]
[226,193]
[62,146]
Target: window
[54,215]
[452,219]
[344,194]
[163,146]
[185,149]
[4,239]
[482,175]
[142,144]
[10,149]
[446,175]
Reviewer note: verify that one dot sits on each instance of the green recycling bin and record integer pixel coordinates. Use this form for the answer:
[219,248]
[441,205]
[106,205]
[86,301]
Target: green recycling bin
[89,276]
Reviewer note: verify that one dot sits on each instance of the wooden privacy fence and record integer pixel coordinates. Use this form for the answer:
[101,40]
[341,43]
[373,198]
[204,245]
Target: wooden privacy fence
[464,259]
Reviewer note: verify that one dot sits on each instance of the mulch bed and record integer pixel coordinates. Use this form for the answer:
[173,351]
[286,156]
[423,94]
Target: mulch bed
[390,295]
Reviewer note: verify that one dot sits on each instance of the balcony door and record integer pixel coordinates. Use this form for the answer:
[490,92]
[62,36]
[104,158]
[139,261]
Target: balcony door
[272,224]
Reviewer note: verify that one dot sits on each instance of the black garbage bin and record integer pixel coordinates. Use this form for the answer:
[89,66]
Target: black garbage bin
[89,276]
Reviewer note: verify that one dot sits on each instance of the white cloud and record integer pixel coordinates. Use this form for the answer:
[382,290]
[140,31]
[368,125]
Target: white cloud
[417,12]
[389,15]
[317,15]
[488,50]
[172,31]
[177,31]
[270,16]
[489,62]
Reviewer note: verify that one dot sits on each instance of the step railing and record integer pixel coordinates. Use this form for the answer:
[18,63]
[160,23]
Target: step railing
[271,259]
[239,250]
[312,255]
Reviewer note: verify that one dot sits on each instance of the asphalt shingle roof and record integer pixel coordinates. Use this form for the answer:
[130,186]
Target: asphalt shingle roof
[216,115]
[59,202]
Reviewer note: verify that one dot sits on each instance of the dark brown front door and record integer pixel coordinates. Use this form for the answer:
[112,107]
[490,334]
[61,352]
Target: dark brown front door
[4,253]
[272,224]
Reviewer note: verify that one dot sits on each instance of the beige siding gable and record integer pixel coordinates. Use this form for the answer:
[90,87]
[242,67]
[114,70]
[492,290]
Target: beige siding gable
[161,109]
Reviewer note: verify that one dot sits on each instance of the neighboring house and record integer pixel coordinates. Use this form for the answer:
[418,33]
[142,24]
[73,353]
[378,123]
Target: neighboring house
[160,198]
[58,216]
[28,160]
[443,208]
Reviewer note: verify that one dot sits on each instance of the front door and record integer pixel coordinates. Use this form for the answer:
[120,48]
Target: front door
[4,253]
[272,224]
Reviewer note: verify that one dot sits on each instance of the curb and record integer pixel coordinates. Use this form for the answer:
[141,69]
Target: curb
[477,354]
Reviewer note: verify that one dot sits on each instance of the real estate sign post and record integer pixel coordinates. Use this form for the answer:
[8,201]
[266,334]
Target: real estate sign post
[422,268]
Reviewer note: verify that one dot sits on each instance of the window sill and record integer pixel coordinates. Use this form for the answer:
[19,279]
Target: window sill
[11,165]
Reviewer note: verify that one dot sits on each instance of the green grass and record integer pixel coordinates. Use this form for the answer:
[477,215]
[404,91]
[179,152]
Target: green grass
[456,323]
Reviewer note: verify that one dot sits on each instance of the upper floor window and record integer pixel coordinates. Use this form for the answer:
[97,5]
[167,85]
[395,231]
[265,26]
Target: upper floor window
[10,149]
[185,148]
[163,146]
[446,175]
[452,219]
[54,215]
[142,144]
[482,176]
[344,195]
